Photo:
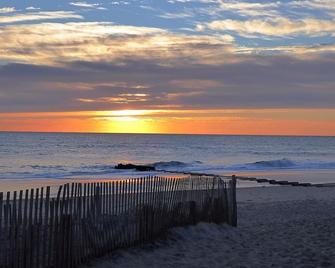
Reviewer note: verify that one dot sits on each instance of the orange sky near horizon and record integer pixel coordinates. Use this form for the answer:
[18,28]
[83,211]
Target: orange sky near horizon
[313,122]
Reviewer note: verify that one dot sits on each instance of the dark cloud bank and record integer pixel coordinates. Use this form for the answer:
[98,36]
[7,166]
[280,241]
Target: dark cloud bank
[257,82]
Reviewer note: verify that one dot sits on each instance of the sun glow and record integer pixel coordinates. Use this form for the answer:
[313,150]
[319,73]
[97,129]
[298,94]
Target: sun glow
[127,113]
[127,124]
[227,121]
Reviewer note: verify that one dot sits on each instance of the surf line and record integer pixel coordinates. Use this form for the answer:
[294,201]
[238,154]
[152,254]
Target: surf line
[257,180]
[234,177]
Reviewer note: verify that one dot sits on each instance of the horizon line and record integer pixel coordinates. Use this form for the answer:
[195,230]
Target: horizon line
[155,133]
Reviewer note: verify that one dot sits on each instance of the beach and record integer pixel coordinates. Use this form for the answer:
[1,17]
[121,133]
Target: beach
[280,226]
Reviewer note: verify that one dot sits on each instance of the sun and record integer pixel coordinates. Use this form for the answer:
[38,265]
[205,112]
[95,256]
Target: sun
[126,121]
[128,113]
[128,125]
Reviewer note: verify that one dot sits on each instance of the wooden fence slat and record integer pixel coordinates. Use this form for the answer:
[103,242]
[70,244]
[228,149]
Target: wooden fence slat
[38,225]
[57,246]
[91,219]
[51,233]
[44,222]
[12,231]
[123,207]
[85,224]
[134,209]
[2,252]
[30,245]
[113,214]
[233,190]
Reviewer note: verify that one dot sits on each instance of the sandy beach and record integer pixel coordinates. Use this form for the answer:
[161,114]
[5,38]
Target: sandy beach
[277,227]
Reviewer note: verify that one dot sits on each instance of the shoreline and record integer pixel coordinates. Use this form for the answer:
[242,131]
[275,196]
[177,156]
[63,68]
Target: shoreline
[323,176]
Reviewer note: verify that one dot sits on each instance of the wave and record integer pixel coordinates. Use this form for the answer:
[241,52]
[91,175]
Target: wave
[281,163]
[108,170]
[48,167]
[200,166]
[52,174]
[167,165]
[276,164]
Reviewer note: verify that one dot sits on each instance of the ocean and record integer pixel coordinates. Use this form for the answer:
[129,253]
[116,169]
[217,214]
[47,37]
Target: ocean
[27,156]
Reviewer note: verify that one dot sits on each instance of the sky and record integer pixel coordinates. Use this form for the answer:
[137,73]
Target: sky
[168,66]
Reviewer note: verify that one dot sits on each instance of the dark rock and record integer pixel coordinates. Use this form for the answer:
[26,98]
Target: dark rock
[136,167]
[145,168]
[283,182]
[305,184]
[262,180]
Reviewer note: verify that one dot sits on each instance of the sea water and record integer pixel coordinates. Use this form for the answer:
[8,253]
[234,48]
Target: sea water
[69,155]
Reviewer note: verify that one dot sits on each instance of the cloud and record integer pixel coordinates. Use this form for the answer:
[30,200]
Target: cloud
[169,15]
[32,8]
[124,98]
[250,8]
[79,86]
[122,2]
[78,65]
[107,42]
[220,8]
[273,27]
[254,82]
[303,16]
[7,10]
[301,51]
[238,5]
[195,84]
[37,16]
[314,4]
[87,5]
[85,41]
[179,1]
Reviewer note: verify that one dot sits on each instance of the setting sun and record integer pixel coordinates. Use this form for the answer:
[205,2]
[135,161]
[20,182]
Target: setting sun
[126,124]
[126,113]
[225,121]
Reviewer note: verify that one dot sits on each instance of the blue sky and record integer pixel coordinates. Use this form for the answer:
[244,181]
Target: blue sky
[187,16]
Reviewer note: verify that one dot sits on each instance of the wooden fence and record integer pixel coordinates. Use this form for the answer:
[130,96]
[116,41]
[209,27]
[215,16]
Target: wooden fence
[84,221]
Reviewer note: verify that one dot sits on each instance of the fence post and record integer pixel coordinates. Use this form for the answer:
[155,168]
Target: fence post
[234,203]
[193,212]
[66,246]
[145,207]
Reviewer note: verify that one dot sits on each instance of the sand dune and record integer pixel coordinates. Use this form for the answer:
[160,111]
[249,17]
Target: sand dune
[278,227]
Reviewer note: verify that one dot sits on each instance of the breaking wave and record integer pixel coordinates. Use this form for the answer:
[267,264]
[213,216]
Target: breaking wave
[106,170]
[276,164]
[281,163]
[174,164]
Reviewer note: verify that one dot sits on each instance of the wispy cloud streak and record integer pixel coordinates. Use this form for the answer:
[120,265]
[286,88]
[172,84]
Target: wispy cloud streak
[38,16]
[7,10]
[87,5]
